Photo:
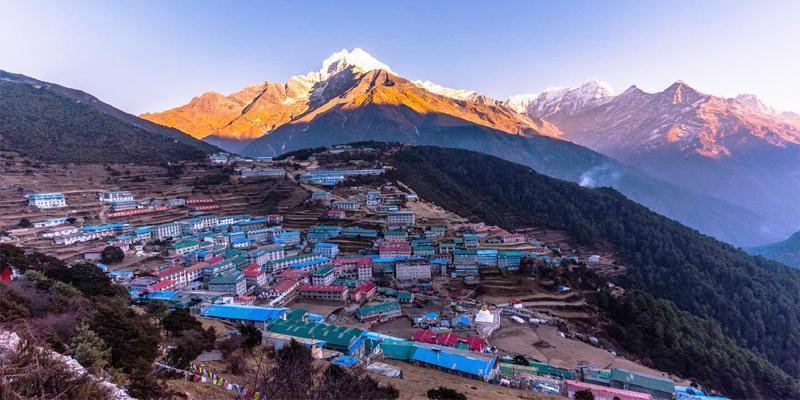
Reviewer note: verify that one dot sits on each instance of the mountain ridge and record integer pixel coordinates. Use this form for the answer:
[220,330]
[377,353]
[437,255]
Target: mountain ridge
[50,122]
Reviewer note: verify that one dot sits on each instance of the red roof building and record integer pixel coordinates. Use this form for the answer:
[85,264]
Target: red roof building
[297,275]
[254,275]
[395,250]
[364,291]
[424,336]
[475,343]
[448,339]
[161,285]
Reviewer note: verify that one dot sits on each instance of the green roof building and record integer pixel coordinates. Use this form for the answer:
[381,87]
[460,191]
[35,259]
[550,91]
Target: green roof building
[342,339]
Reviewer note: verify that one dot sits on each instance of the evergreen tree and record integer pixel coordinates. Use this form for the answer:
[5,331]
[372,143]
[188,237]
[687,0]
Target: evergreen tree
[90,350]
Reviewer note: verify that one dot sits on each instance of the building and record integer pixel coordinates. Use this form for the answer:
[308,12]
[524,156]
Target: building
[287,238]
[46,200]
[509,260]
[602,392]
[513,238]
[346,205]
[164,231]
[400,218]
[311,265]
[373,199]
[323,277]
[395,235]
[283,291]
[254,276]
[345,340]
[394,250]
[185,247]
[412,270]
[256,315]
[659,388]
[462,362]
[364,291]
[358,232]
[379,312]
[261,256]
[321,195]
[116,195]
[325,293]
[60,231]
[329,250]
[262,172]
[281,263]
[231,284]
[335,214]
[58,221]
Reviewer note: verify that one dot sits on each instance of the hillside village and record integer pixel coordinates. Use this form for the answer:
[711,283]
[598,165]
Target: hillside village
[324,249]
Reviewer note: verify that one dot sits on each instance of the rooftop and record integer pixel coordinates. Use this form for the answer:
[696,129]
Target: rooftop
[244,312]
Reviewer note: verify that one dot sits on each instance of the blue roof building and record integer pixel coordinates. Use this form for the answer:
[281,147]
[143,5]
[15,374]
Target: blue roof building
[459,361]
[259,316]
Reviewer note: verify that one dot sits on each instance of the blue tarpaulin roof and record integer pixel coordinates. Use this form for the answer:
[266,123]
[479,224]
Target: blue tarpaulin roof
[245,313]
[457,360]
[161,295]
[345,361]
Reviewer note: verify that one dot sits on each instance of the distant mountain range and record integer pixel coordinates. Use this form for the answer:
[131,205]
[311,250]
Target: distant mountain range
[787,251]
[356,97]
[736,149]
[54,123]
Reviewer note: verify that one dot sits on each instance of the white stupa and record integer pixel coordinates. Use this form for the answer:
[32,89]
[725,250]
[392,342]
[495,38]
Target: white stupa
[484,315]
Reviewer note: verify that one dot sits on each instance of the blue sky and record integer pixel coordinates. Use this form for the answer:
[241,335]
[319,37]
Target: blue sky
[150,55]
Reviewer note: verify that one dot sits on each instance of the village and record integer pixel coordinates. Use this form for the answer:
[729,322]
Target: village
[353,265]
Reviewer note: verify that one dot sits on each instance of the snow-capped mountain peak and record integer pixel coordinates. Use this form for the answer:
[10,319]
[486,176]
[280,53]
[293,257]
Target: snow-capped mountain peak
[591,92]
[344,59]
[458,94]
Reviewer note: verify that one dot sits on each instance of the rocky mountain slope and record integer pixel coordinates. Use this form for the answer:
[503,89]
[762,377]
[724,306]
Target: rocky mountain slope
[263,108]
[737,149]
[54,123]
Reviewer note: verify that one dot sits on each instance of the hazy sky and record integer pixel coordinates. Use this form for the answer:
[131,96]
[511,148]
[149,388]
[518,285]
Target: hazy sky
[151,55]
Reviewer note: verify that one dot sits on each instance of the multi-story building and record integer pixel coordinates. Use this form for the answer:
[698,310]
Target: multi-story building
[325,293]
[60,231]
[412,270]
[513,238]
[261,256]
[509,260]
[349,267]
[395,250]
[115,195]
[321,195]
[231,284]
[323,277]
[281,263]
[401,218]
[364,291]
[379,312]
[185,247]
[287,238]
[254,276]
[163,231]
[283,291]
[262,172]
[46,200]
[346,205]
[330,250]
